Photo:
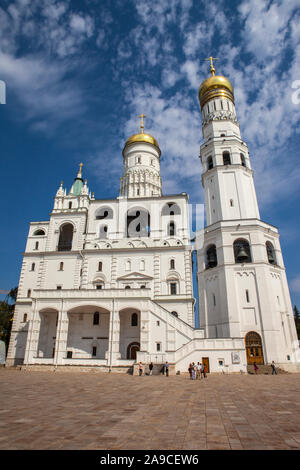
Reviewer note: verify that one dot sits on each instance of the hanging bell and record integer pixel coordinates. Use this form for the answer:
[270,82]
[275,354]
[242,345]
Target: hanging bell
[271,257]
[242,255]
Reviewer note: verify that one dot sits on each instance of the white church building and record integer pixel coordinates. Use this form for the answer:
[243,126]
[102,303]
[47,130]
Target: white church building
[109,283]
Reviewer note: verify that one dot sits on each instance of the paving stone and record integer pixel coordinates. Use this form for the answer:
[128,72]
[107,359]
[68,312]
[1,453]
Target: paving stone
[46,410]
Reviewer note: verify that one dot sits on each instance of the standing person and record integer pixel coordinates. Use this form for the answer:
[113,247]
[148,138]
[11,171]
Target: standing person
[274,371]
[167,368]
[202,371]
[255,368]
[193,371]
[198,373]
[150,368]
[140,369]
[190,370]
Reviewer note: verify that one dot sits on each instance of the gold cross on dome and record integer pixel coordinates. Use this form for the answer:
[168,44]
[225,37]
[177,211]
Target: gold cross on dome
[80,170]
[212,68]
[142,116]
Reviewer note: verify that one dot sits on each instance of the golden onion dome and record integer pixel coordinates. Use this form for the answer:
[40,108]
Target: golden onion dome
[215,86]
[142,137]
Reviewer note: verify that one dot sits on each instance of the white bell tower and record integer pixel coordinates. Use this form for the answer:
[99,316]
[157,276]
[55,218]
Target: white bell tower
[141,171]
[243,290]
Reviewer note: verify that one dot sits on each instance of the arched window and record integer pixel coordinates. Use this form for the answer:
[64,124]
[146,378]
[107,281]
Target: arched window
[138,223]
[33,267]
[29,293]
[104,213]
[172,264]
[39,232]
[61,266]
[226,158]
[25,317]
[128,265]
[70,205]
[211,257]
[65,237]
[175,314]
[210,163]
[171,229]
[99,285]
[271,253]
[100,266]
[171,208]
[127,287]
[96,318]
[134,319]
[243,160]
[242,252]
[103,231]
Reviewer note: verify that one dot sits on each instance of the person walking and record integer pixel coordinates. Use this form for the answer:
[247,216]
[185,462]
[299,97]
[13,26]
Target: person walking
[198,373]
[140,369]
[274,371]
[190,370]
[167,368]
[255,368]
[150,368]
[202,371]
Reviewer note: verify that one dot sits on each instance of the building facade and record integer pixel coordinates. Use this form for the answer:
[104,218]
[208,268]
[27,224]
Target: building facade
[109,283]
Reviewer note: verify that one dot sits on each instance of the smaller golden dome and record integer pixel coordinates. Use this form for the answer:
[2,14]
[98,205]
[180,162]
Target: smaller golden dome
[142,138]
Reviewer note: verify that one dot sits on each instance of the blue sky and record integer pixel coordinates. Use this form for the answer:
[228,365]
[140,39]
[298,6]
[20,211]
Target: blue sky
[79,73]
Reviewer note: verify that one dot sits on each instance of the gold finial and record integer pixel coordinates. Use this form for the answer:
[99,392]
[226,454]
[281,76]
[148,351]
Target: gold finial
[80,170]
[142,116]
[212,68]
[61,183]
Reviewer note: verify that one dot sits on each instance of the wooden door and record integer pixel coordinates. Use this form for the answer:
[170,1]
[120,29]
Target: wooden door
[254,349]
[205,362]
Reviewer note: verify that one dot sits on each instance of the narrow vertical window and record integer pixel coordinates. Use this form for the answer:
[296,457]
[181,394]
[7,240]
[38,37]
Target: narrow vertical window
[100,266]
[173,288]
[231,202]
[94,352]
[29,293]
[247,296]
[33,267]
[61,266]
[36,245]
[70,205]
[96,318]
[25,318]
[214,299]
[172,264]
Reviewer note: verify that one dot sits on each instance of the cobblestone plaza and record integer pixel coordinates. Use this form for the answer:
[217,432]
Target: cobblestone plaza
[92,410]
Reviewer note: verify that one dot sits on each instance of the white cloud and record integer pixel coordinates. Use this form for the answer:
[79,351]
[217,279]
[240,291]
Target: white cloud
[295,285]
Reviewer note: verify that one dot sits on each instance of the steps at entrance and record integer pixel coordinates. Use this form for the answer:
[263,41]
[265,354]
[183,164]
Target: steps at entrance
[265,370]
[156,369]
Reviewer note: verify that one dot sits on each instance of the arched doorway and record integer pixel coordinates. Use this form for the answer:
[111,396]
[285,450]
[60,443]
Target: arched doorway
[254,349]
[132,350]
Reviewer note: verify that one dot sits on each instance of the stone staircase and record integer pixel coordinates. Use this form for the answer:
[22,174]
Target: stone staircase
[156,369]
[264,370]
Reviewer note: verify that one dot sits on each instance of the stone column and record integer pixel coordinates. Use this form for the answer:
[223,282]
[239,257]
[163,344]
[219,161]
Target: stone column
[32,336]
[144,331]
[113,353]
[61,336]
